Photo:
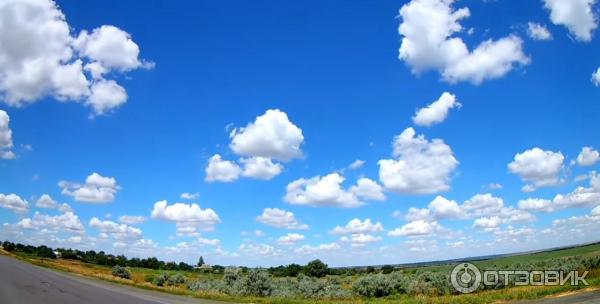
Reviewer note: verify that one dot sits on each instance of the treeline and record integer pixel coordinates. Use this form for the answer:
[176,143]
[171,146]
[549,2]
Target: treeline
[99,258]
[319,269]
[315,268]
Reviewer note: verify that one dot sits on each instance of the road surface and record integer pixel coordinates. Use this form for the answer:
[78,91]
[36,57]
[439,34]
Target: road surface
[25,283]
[592,296]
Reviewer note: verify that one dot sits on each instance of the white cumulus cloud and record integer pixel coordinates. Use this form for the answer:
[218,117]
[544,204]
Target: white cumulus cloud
[40,57]
[428,31]
[13,202]
[271,135]
[188,215]
[421,167]
[588,157]
[437,111]
[356,226]
[290,239]
[416,228]
[538,31]
[280,218]
[538,168]
[219,170]
[6,141]
[321,191]
[577,15]
[260,168]
[96,189]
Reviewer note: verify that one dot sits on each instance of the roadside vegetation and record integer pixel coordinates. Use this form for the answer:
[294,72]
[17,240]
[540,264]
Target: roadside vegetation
[314,282]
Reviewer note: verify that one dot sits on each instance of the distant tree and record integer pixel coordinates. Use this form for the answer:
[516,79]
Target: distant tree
[8,246]
[316,269]
[45,252]
[387,269]
[293,270]
[370,269]
[170,266]
[184,266]
[200,261]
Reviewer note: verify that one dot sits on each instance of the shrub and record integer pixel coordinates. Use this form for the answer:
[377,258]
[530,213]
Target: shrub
[208,286]
[161,280]
[121,272]
[257,283]
[175,280]
[430,283]
[373,285]
[398,282]
[310,287]
[316,269]
[149,278]
[232,276]
[284,288]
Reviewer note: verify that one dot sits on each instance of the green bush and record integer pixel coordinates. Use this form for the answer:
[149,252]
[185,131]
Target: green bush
[430,283]
[161,280]
[232,276]
[373,285]
[174,280]
[149,278]
[121,272]
[316,269]
[209,286]
[258,283]
[309,287]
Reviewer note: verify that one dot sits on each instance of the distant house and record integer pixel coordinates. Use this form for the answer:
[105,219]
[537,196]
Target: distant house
[203,267]
[57,254]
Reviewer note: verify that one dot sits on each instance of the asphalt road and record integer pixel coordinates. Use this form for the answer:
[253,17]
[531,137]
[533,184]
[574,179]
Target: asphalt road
[25,283]
[592,296]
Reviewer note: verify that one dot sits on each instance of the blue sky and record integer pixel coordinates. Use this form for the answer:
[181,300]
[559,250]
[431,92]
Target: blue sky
[156,90]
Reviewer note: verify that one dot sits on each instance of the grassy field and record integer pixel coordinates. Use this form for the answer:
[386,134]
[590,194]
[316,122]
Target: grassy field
[142,277]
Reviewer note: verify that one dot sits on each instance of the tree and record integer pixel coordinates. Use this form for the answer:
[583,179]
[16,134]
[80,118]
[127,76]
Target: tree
[316,269]
[386,269]
[200,261]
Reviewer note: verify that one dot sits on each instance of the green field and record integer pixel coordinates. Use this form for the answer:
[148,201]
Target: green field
[421,284]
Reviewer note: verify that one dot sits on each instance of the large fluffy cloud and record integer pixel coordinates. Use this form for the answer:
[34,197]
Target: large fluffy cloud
[290,239]
[538,168]
[67,222]
[221,170]
[416,228]
[187,216]
[6,142]
[39,57]
[271,135]
[13,202]
[588,156]
[260,168]
[46,201]
[437,111]
[328,191]
[96,189]
[116,230]
[280,218]
[428,42]
[356,226]
[421,166]
[577,15]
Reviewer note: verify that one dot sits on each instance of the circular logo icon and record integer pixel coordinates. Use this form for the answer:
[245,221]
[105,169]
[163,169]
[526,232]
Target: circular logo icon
[465,277]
